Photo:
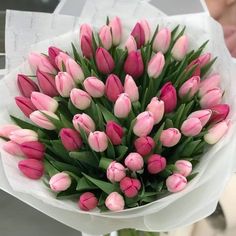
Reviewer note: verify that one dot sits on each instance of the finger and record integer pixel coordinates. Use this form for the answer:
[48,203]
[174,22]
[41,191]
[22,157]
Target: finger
[229,30]
[231,42]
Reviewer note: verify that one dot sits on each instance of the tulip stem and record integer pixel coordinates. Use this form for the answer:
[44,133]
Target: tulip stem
[104,163]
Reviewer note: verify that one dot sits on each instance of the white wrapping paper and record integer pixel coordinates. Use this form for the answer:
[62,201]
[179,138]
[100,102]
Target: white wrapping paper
[200,197]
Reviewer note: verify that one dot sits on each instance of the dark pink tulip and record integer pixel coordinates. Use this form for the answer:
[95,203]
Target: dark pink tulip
[86,46]
[53,53]
[138,34]
[33,150]
[104,61]
[134,64]
[25,105]
[219,112]
[114,132]
[87,201]
[113,87]
[130,187]
[169,97]
[26,85]
[144,145]
[156,164]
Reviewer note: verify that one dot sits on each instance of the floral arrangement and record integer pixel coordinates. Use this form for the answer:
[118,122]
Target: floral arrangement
[117,126]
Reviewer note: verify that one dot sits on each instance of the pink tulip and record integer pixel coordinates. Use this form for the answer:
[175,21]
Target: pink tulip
[113,87]
[70,139]
[211,98]
[31,168]
[61,59]
[5,130]
[156,164]
[98,141]
[157,108]
[87,201]
[144,124]
[40,119]
[116,30]
[144,145]
[114,132]
[183,167]
[115,172]
[94,86]
[53,53]
[162,41]
[134,64]
[139,34]
[12,148]
[130,187]
[83,121]
[23,135]
[134,161]
[115,202]
[204,59]
[80,99]
[211,82]
[190,87]
[191,127]
[180,48]
[60,182]
[169,97]
[86,30]
[170,137]
[87,47]
[176,183]
[74,69]
[47,83]
[105,37]
[131,44]
[131,88]
[147,31]
[64,84]
[203,115]
[33,150]
[122,106]
[156,65]
[104,61]
[197,68]
[26,85]
[215,133]
[25,105]
[44,102]
[219,113]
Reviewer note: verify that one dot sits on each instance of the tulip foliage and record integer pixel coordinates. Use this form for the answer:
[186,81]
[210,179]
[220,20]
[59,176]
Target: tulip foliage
[117,126]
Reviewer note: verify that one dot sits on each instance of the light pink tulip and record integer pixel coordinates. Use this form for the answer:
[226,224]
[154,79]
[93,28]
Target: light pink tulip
[131,44]
[203,115]
[211,98]
[80,99]
[146,28]
[98,141]
[33,150]
[134,161]
[25,105]
[157,108]
[190,87]
[144,145]
[53,53]
[204,59]
[115,202]
[23,135]
[139,34]
[87,201]
[85,30]
[131,88]
[116,30]
[5,130]
[94,86]
[162,41]
[219,113]
[197,68]
[176,183]
[180,48]
[114,132]
[12,148]
[84,122]
[191,127]
[170,137]
[74,69]
[211,82]
[105,37]
[115,172]
[156,164]
[60,182]
[130,187]
[183,167]
[156,65]
[122,106]
[61,59]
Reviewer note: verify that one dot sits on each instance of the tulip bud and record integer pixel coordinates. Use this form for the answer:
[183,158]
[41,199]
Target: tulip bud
[144,124]
[219,112]
[87,201]
[209,83]
[106,37]
[156,65]
[131,88]
[80,99]
[25,105]
[83,121]
[138,34]
[23,135]
[134,64]
[47,83]
[176,183]
[114,132]
[33,150]
[122,106]
[204,59]
[115,172]
[12,148]
[61,59]
[211,98]
[26,85]
[87,47]
[53,53]
[41,119]
[98,141]
[5,130]
[180,48]
[113,87]
[131,44]
[134,161]
[104,61]
[215,133]
[183,167]
[115,202]
[70,139]
[64,84]
[74,69]
[197,68]
[144,145]
[156,164]
[60,182]
[130,187]
[44,102]
[116,30]
[191,127]
[147,31]
[157,108]
[85,30]
[162,41]
[203,115]
[169,97]
[31,168]
[190,87]
[170,137]
[94,86]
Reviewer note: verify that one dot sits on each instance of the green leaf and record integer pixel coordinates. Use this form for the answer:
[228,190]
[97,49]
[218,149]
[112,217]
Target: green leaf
[158,133]
[23,124]
[75,53]
[107,114]
[66,123]
[130,132]
[121,151]
[99,118]
[189,149]
[85,185]
[207,67]
[192,176]
[61,166]
[169,123]
[50,169]
[154,35]
[110,150]
[85,157]
[178,115]
[73,110]
[57,123]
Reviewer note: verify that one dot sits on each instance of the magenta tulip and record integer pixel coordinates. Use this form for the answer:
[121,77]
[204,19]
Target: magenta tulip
[122,106]
[219,113]
[156,164]
[114,132]
[60,182]
[176,183]
[157,108]
[130,187]
[156,65]
[98,141]
[162,40]
[87,201]
[115,172]
[25,105]
[53,53]
[170,137]
[115,202]
[134,161]
[191,127]
[87,47]
[80,99]
[180,48]
[94,86]
[83,121]
[139,34]
[33,150]
[144,145]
